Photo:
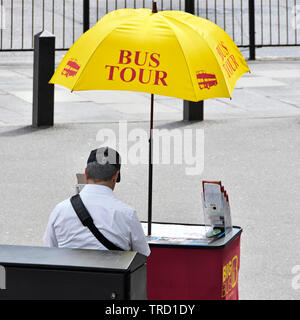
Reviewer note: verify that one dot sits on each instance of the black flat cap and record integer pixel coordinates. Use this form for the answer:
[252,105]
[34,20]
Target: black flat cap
[106,155]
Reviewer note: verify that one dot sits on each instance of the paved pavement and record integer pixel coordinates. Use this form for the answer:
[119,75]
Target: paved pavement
[251,144]
[268,91]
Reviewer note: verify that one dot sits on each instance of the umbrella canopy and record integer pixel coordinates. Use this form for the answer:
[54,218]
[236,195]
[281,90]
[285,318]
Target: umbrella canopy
[170,53]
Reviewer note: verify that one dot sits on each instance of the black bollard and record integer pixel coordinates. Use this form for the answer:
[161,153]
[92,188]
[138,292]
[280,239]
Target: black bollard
[189,6]
[192,111]
[43,69]
[86,15]
[251,30]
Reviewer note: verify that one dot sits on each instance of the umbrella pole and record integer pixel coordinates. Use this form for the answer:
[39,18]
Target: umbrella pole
[150,169]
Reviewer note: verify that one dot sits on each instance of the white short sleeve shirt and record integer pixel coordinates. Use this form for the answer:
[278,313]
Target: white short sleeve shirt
[117,221]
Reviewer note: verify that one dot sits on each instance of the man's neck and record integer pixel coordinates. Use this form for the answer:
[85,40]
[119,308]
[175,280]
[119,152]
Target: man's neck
[101,183]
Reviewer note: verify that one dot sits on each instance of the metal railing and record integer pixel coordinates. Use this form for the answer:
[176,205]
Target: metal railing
[250,23]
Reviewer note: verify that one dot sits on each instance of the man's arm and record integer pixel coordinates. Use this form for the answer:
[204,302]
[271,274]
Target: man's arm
[49,238]
[138,238]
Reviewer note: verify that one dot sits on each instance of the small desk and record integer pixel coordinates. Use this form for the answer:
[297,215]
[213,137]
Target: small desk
[182,267]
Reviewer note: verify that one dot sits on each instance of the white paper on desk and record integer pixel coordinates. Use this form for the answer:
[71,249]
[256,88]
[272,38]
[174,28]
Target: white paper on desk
[176,231]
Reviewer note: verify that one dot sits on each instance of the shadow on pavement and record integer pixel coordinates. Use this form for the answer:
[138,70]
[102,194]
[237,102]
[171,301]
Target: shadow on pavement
[177,124]
[22,131]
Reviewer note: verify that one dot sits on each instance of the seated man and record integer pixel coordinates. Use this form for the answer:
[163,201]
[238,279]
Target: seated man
[117,222]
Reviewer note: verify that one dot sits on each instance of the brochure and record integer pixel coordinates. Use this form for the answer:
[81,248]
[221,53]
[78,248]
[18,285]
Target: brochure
[216,209]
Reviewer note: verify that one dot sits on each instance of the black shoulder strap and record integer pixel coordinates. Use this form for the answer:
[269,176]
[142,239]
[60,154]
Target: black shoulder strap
[87,221]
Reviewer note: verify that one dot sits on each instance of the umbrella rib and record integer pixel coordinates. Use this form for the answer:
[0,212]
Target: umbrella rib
[170,17]
[183,55]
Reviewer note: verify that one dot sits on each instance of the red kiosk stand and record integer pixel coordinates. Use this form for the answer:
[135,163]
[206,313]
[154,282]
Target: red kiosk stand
[193,270]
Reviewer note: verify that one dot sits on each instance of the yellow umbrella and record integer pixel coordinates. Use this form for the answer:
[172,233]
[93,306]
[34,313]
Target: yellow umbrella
[170,53]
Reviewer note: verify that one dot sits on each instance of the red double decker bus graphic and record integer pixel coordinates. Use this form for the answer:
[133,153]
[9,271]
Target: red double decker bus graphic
[206,80]
[71,69]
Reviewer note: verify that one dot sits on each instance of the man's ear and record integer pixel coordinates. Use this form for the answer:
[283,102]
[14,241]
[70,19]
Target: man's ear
[115,177]
[86,177]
